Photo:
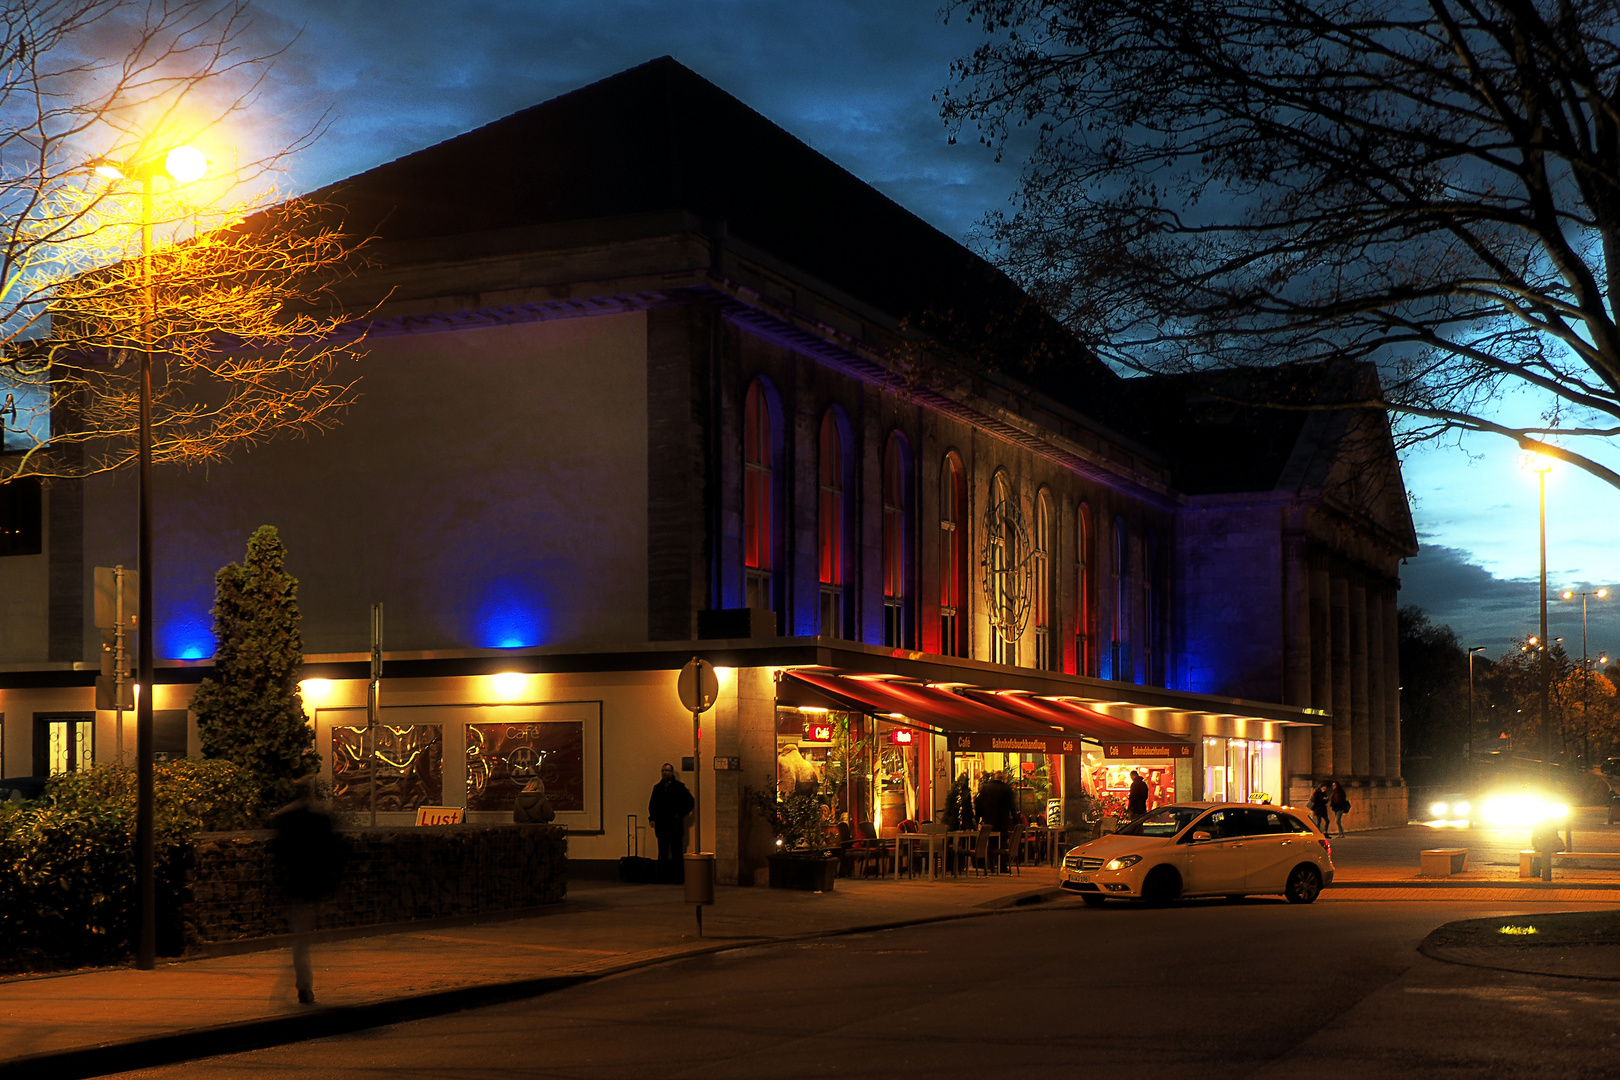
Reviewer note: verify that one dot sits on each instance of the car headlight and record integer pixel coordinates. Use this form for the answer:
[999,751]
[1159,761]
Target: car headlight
[1438,809]
[1521,811]
[1122,862]
[1461,809]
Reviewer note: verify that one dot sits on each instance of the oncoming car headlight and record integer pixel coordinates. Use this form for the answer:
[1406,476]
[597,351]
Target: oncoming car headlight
[1122,862]
[1439,809]
[1519,811]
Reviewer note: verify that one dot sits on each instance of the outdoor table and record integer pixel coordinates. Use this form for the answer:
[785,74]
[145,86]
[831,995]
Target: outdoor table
[935,842]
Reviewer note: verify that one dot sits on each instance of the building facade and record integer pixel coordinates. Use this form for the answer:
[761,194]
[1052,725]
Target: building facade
[661,394]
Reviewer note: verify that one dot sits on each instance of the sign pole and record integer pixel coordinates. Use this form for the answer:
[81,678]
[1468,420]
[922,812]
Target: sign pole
[373,705]
[698,686]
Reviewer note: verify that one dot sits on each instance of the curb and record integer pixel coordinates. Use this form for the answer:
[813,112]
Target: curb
[179,1046]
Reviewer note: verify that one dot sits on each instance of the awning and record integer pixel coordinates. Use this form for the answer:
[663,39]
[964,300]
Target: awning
[969,725]
[979,720]
[1118,738]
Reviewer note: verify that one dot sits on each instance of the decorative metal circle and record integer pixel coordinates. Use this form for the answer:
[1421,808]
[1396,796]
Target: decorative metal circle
[1009,571]
[523,762]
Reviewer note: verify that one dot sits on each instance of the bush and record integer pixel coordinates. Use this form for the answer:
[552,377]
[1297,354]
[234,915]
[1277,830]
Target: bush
[68,895]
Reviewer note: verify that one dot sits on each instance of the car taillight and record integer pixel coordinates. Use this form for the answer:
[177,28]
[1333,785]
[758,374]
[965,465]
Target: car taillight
[1327,847]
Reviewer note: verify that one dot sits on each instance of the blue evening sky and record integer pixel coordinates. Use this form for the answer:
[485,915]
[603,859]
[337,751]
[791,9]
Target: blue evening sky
[856,80]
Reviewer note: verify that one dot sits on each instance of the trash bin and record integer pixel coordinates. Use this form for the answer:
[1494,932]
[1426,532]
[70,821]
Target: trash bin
[700,877]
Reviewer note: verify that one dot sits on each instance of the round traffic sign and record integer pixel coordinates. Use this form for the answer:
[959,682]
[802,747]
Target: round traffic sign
[698,685]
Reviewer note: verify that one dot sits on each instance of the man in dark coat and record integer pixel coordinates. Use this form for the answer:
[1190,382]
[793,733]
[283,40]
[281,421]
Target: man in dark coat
[997,807]
[307,854]
[667,810]
[1139,797]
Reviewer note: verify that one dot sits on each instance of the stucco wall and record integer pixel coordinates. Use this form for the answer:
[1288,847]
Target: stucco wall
[1228,610]
[489,488]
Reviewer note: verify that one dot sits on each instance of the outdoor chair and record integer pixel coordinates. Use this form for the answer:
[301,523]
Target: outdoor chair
[981,849]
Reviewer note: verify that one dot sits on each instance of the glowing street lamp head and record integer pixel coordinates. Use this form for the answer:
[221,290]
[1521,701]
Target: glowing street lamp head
[1601,593]
[186,163]
[1568,595]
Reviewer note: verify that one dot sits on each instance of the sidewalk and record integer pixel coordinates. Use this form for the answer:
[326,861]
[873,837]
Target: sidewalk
[108,1020]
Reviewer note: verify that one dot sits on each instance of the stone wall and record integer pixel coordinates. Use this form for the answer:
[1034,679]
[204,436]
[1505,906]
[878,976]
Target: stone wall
[391,875]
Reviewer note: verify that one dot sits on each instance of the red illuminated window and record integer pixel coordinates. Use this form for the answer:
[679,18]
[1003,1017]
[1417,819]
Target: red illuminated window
[895,473]
[1085,630]
[952,558]
[830,523]
[759,496]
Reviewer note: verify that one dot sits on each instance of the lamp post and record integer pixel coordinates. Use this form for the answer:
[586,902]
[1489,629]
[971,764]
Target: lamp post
[183,164]
[1541,466]
[1586,668]
[1473,778]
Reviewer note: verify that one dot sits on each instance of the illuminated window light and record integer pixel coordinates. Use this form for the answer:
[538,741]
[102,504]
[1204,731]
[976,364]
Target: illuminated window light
[316,689]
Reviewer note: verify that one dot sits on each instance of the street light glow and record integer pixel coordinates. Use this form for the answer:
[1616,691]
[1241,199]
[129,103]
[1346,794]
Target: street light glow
[186,163]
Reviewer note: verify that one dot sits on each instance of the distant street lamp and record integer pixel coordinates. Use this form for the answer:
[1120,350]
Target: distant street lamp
[1586,668]
[183,164]
[1473,770]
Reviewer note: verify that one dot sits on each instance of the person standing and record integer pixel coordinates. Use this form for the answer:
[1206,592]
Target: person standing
[307,855]
[1137,806]
[1339,803]
[531,806]
[667,810]
[1318,806]
[997,807]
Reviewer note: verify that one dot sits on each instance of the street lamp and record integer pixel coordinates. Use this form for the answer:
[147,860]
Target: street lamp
[1473,771]
[183,164]
[1586,676]
[1541,466]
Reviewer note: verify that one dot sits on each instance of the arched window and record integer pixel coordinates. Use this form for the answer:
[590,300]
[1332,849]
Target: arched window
[1002,554]
[1041,602]
[759,498]
[830,524]
[896,473]
[1151,663]
[1085,612]
[1120,666]
[952,558]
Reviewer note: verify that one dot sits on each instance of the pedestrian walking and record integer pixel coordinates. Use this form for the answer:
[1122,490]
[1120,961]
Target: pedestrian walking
[531,806]
[1318,807]
[307,855]
[997,807]
[1339,803]
[1137,805]
[667,810]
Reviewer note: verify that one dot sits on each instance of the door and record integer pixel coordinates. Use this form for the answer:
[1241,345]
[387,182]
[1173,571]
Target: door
[1277,843]
[64,743]
[1218,863]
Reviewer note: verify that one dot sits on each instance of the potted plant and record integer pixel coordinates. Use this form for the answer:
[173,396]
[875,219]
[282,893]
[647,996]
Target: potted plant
[802,859]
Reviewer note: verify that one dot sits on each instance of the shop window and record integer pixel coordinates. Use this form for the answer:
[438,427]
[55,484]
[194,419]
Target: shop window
[20,517]
[1085,615]
[502,758]
[952,558]
[830,519]
[896,529]
[1041,605]
[410,768]
[759,497]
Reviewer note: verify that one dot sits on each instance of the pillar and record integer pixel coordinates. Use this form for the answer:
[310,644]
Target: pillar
[1392,686]
[1339,616]
[1375,680]
[1296,616]
[1321,665]
[1359,741]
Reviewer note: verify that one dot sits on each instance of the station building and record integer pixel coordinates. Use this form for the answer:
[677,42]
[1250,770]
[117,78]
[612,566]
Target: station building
[649,379]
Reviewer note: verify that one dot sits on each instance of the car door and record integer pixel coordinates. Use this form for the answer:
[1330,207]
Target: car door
[1217,859]
[1274,846]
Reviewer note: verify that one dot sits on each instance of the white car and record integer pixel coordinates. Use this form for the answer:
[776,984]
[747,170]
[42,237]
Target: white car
[1203,849]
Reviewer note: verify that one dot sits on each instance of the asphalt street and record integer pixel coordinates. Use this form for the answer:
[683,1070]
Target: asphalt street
[1256,988]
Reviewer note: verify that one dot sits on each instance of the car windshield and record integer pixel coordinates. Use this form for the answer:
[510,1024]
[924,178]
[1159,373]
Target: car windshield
[1166,821]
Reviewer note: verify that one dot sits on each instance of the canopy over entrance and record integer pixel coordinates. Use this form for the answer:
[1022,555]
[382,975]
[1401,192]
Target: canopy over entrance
[1119,738]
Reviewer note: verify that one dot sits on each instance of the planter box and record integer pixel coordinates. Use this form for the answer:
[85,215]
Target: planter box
[812,873]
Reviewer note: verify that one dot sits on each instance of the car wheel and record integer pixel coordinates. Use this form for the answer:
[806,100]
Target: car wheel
[1163,885]
[1304,884]
[1093,899]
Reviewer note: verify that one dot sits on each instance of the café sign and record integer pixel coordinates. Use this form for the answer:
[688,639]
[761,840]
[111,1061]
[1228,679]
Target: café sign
[979,743]
[1146,750]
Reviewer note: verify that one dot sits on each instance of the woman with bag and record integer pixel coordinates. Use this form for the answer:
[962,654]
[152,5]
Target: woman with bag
[1339,803]
[1318,806]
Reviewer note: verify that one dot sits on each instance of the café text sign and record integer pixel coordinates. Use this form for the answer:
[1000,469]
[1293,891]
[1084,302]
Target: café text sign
[1147,750]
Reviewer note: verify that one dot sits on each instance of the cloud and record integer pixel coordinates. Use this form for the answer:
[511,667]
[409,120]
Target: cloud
[1484,609]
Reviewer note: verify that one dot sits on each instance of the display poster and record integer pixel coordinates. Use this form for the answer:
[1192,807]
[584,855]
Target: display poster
[502,758]
[410,767]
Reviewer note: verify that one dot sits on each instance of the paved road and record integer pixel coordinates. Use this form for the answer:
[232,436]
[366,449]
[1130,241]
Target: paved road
[1206,991]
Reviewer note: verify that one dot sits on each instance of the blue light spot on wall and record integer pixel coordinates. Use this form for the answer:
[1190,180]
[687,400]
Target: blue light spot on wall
[511,615]
[185,638]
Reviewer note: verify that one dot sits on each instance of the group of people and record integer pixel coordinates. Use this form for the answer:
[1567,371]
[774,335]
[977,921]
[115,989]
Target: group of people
[1325,800]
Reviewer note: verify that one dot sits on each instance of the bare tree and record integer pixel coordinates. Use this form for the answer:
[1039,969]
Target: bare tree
[1433,185]
[104,254]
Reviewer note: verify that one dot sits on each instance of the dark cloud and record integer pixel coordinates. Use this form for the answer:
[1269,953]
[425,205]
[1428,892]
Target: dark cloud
[856,80]
[1487,610]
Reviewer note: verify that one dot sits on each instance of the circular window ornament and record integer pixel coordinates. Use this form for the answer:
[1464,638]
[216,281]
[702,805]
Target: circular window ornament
[1009,572]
